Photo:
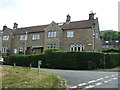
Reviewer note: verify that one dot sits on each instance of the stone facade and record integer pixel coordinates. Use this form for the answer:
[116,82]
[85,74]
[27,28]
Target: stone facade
[111,44]
[70,36]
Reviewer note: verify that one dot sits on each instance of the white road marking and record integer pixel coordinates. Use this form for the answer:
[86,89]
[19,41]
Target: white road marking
[73,87]
[90,86]
[110,80]
[112,75]
[99,79]
[107,77]
[82,84]
[99,83]
[105,81]
[92,81]
[114,78]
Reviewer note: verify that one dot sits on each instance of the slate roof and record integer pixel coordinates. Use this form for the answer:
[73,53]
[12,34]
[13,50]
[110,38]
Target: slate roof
[71,25]
[78,24]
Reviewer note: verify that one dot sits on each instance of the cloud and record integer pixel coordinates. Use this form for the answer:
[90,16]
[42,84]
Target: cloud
[8,4]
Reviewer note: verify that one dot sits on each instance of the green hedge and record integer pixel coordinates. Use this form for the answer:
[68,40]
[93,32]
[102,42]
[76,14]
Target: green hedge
[112,60]
[24,60]
[74,60]
[53,58]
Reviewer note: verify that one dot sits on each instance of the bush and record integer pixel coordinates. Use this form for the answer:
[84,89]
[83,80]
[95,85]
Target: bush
[24,60]
[54,58]
[112,60]
[74,60]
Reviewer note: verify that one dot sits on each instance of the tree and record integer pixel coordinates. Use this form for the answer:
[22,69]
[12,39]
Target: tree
[110,35]
[119,35]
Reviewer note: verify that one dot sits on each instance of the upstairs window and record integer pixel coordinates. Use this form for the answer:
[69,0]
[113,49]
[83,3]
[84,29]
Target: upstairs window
[23,37]
[52,34]
[5,37]
[36,37]
[70,34]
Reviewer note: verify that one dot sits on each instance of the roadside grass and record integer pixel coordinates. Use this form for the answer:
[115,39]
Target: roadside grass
[115,69]
[0,77]
[17,77]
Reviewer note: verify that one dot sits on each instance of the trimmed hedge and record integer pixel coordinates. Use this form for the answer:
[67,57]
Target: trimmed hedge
[74,60]
[24,60]
[53,58]
[112,60]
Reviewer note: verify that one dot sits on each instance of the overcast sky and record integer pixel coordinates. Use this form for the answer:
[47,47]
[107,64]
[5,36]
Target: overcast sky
[39,12]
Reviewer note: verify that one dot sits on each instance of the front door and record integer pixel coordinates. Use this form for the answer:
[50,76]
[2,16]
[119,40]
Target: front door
[28,50]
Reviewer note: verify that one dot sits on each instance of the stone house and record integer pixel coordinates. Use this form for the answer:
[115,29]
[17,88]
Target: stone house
[111,44]
[70,36]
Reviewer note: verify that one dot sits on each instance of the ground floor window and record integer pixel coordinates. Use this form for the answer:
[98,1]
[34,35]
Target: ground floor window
[20,49]
[37,49]
[77,48]
[51,46]
[15,50]
[4,49]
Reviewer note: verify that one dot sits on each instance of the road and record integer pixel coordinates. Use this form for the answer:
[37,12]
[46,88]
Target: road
[88,79]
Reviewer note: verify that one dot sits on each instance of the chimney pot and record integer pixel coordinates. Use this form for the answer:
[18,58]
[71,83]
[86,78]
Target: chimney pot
[15,26]
[68,19]
[4,27]
[91,15]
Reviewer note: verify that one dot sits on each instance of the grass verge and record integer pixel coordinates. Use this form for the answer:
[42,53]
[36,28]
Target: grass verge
[16,77]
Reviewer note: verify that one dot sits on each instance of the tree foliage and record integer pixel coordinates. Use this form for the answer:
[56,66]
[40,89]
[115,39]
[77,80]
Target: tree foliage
[119,35]
[110,35]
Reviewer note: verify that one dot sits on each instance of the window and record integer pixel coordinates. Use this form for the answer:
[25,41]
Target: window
[5,37]
[23,37]
[4,49]
[36,37]
[76,48]
[70,34]
[51,46]
[20,49]
[52,34]
[106,41]
[97,36]
[15,50]
[116,41]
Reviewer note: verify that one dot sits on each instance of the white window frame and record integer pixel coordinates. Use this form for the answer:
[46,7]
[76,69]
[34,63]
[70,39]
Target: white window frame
[23,37]
[97,35]
[4,49]
[20,49]
[77,48]
[15,50]
[52,34]
[36,37]
[5,37]
[51,46]
[70,33]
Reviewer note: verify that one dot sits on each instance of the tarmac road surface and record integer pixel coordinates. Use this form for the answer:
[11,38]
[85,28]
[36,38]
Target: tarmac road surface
[88,79]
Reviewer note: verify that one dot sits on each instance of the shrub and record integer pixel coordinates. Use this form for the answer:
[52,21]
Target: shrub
[24,60]
[54,58]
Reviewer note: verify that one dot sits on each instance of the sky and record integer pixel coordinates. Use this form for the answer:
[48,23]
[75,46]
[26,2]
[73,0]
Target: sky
[40,12]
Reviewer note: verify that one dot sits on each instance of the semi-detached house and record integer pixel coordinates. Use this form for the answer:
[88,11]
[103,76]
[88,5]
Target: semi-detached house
[70,36]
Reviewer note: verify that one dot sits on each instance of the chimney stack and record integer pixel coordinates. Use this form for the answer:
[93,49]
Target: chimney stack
[91,15]
[4,27]
[68,18]
[15,26]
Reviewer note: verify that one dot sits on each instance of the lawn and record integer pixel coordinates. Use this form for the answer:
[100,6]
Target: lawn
[16,77]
